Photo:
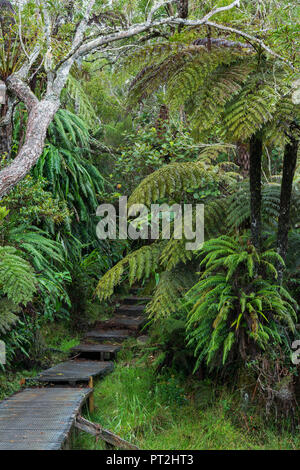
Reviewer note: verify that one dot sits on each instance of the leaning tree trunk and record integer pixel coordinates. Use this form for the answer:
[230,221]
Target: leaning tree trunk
[255,189]
[40,115]
[288,172]
[5,131]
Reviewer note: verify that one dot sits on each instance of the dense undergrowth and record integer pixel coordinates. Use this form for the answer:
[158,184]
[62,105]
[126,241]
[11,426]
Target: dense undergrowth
[170,411]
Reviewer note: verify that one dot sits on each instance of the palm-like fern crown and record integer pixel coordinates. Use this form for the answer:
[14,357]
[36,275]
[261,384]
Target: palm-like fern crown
[236,294]
[230,83]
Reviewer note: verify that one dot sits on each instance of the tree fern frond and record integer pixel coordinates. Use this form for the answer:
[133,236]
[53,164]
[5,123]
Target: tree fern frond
[17,279]
[137,265]
[168,293]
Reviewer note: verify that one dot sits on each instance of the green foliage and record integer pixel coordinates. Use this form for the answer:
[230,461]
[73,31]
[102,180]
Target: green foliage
[238,212]
[136,266]
[66,165]
[18,281]
[169,345]
[7,315]
[228,87]
[149,149]
[12,55]
[17,286]
[177,178]
[82,103]
[167,297]
[28,202]
[236,302]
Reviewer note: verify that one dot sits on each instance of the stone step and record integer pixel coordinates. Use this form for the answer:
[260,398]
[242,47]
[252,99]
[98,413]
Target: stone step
[108,335]
[127,309]
[103,352]
[76,370]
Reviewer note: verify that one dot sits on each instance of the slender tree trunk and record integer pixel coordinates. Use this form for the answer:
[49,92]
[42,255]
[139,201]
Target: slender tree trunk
[243,157]
[255,189]
[288,172]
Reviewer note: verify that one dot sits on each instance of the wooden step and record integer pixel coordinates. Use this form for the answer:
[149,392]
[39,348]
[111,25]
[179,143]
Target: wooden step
[127,309]
[76,370]
[123,321]
[103,352]
[108,335]
[40,418]
[135,299]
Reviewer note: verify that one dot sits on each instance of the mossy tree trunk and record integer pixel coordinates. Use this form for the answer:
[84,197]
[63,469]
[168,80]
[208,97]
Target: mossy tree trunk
[255,188]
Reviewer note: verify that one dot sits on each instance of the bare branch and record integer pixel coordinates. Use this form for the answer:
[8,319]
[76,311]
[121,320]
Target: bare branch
[251,39]
[157,5]
[22,91]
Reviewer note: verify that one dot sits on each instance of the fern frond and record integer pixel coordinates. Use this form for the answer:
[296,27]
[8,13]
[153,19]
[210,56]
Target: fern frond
[17,279]
[169,293]
[174,178]
[137,265]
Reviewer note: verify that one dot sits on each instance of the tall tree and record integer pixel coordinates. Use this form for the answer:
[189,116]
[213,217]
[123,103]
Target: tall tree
[288,172]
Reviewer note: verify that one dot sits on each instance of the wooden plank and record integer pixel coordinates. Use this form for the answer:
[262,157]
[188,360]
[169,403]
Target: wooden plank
[135,299]
[98,431]
[108,335]
[40,418]
[129,322]
[130,309]
[96,348]
[75,371]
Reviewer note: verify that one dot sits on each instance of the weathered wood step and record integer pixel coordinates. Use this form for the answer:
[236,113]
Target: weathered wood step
[127,309]
[135,299]
[39,418]
[103,352]
[108,335]
[129,322]
[73,371]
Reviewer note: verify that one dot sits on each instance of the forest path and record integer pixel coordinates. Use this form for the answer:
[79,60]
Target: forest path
[42,418]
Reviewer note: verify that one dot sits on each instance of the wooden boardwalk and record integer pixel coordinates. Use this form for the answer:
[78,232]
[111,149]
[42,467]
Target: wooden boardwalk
[108,335]
[75,371]
[42,418]
[99,351]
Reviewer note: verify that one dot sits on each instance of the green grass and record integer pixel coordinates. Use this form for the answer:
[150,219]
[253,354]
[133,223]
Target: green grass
[10,381]
[167,413]
[56,336]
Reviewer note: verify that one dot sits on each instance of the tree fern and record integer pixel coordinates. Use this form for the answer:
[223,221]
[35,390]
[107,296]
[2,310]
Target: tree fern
[235,300]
